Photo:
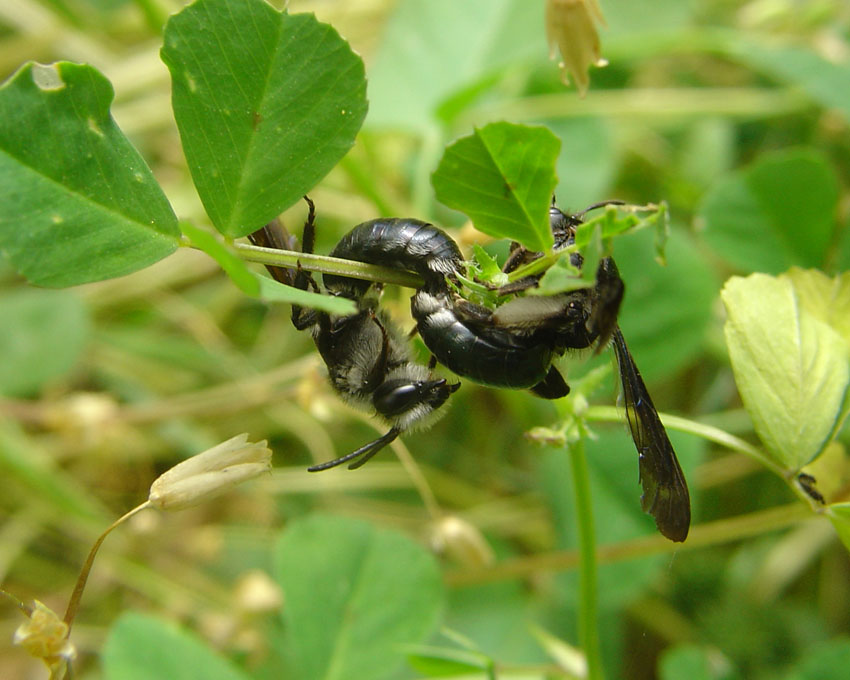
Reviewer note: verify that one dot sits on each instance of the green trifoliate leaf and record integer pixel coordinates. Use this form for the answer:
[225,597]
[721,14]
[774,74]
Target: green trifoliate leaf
[502,176]
[77,202]
[791,367]
[349,607]
[754,217]
[266,103]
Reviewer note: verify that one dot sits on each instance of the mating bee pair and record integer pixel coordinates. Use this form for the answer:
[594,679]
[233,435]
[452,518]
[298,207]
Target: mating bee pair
[370,363]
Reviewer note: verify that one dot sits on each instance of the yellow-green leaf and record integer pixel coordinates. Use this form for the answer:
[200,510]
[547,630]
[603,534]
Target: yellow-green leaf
[791,367]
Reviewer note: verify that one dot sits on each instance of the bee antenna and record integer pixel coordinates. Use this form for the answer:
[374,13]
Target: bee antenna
[364,453]
[600,204]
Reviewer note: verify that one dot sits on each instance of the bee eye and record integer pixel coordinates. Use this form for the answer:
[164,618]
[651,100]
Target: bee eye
[394,397]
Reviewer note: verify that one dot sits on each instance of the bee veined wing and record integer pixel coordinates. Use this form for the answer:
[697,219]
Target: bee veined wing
[665,492]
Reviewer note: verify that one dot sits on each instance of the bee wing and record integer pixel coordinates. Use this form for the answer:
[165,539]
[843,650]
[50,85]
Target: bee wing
[665,492]
[274,235]
[608,294]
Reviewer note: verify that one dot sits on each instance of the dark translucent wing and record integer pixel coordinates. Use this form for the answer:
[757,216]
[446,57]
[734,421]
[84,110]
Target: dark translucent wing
[273,235]
[665,492]
[608,294]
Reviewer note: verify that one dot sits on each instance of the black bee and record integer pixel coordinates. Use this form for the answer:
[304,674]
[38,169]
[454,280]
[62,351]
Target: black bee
[515,345]
[460,335]
[369,363]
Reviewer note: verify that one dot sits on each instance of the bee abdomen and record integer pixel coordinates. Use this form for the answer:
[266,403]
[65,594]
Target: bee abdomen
[486,355]
[400,243]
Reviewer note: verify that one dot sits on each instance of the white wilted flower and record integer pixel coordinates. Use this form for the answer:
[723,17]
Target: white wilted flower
[209,473]
[257,593]
[462,542]
[45,636]
[571,28]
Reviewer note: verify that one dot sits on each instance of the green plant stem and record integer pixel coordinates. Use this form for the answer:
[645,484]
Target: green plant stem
[327,265]
[588,615]
[651,102]
[700,536]
[718,436]
[414,472]
[153,12]
[25,608]
[82,579]
[611,414]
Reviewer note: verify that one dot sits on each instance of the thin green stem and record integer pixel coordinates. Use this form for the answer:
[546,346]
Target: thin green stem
[326,265]
[718,436]
[25,608]
[701,536]
[153,12]
[712,434]
[82,579]
[541,264]
[654,102]
[588,615]
[418,479]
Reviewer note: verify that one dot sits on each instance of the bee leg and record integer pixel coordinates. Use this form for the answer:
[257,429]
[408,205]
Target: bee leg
[553,386]
[809,485]
[274,235]
[379,370]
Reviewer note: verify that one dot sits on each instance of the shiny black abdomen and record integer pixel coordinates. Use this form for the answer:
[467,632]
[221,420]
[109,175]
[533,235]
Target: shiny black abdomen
[487,355]
[400,243]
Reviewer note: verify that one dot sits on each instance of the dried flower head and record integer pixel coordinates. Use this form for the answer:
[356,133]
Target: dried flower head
[571,28]
[45,636]
[257,593]
[209,473]
[462,542]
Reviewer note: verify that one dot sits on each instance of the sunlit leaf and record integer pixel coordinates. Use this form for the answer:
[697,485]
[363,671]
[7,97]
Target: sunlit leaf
[502,176]
[824,297]
[77,202]
[791,368]
[266,104]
